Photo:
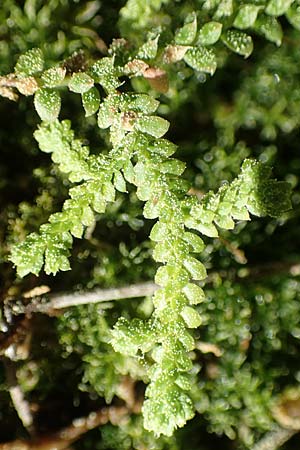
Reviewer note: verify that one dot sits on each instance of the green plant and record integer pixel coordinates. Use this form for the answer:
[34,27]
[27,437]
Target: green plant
[124,95]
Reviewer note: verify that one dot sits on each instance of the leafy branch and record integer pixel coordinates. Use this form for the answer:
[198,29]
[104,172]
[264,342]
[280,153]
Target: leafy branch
[142,157]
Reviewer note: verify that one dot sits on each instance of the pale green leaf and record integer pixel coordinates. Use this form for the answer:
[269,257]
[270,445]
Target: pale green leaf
[184,382]
[129,337]
[168,409]
[108,191]
[240,213]
[225,9]
[191,317]
[160,303]
[77,230]
[153,125]
[201,59]
[162,147]
[194,241]
[151,209]
[208,229]
[87,217]
[99,204]
[173,166]
[186,35]
[143,103]
[80,82]
[159,231]
[104,72]
[30,63]
[278,7]
[128,171]
[47,104]
[210,33]
[193,293]
[163,251]
[119,182]
[149,49]
[91,101]
[246,16]
[57,253]
[164,274]
[238,42]
[224,222]
[106,115]
[28,256]
[270,28]
[195,267]
[53,77]
[293,15]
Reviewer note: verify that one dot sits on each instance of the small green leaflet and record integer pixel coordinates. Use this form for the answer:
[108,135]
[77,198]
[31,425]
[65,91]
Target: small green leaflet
[80,83]
[28,256]
[270,28]
[53,77]
[210,33]
[187,34]
[225,9]
[293,15]
[194,241]
[246,16]
[149,49]
[57,253]
[30,63]
[168,409]
[47,104]
[201,59]
[91,101]
[193,293]
[129,337]
[195,267]
[153,125]
[119,182]
[159,231]
[104,72]
[278,7]
[142,103]
[238,42]
[191,317]
[106,115]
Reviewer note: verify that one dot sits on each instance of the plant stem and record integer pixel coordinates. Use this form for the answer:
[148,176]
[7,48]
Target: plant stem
[21,405]
[60,301]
